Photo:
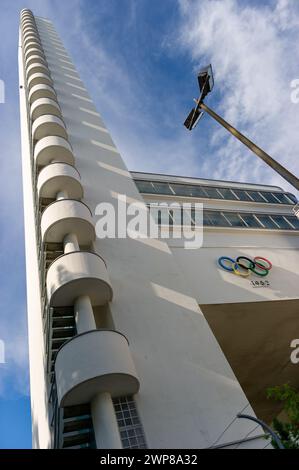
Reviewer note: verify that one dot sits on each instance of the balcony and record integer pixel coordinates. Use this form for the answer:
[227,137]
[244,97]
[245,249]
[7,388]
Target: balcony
[27,20]
[53,148]
[94,362]
[29,29]
[41,91]
[26,11]
[33,59]
[58,177]
[48,125]
[26,14]
[34,51]
[39,79]
[67,216]
[30,35]
[44,106]
[35,43]
[75,274]
[36,67]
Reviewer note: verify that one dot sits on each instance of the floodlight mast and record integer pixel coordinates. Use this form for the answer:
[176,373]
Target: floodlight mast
[206,82]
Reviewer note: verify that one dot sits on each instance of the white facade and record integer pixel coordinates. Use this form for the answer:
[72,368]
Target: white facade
[140,316]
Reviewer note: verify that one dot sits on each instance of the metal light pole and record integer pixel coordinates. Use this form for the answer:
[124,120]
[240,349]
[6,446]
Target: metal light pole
[206,83]
[265,427]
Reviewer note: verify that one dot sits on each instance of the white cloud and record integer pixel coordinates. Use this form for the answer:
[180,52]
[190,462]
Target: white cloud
[253,48]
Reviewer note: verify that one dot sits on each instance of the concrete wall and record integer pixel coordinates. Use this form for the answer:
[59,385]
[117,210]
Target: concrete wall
[209,283]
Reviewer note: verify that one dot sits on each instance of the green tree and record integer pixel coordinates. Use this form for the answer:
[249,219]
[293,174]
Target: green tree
[287,431]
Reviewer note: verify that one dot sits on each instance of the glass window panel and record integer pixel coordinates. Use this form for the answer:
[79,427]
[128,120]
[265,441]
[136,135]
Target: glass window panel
[270,197]
[176,216]
[283,198]
[234,219]
[164,216]
[227,194]
[256,196]
[294,221]
[187,190]
[188,217]
[292,197]
[242,195]
[214,218]
[145,187]
[162,188]
[212,192]
[266,221]
[281,221]
[250,220]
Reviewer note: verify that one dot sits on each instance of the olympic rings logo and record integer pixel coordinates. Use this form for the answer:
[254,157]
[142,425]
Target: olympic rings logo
[243,266]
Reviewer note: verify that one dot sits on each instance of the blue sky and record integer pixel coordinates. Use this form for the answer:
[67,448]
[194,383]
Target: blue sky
[138,59]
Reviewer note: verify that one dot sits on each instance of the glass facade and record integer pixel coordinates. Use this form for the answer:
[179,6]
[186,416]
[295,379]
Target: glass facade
[216,218]
[211,192]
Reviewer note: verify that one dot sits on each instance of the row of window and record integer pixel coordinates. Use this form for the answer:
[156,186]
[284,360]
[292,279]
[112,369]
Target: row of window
[189,190]
[165,216]
[130,427]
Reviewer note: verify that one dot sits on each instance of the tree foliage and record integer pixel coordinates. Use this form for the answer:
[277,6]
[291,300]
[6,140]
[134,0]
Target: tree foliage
[287,431]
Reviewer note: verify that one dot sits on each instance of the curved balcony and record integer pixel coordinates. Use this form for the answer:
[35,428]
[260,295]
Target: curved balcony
[34,51]
[41,91]
[58,177]
[35,59]
[53,148]
[28,23]
[26,11]
[44,106]
[36,67]
[29,29]
[36,44]
[39,79]
[26,18]
[75,274]
[30,32]
[67,216]
[30,36]
[48,125]
[94,362]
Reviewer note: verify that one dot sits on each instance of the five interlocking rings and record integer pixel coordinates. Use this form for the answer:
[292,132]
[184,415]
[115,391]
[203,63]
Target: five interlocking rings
[243,266]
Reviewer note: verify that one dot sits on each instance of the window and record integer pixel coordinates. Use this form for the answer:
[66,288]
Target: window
[256,196]
[130,427]
[227,194]
[176,216]
[250,220]
[162,188]
[212,192]
[281,222]
[203,191]
[187,190]
[145,186]
[292,197]
[284,198]
[234,219]
[266,221]
[270,198]
[293,220]
[242,195]
[214,218]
